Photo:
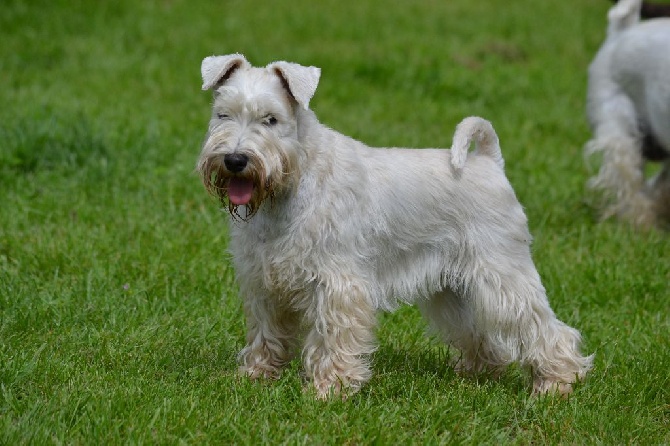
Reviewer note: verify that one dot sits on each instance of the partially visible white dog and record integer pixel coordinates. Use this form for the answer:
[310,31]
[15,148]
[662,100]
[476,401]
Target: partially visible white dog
[629,111]
[326,231]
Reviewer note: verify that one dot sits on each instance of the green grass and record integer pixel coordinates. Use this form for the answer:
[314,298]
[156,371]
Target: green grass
[119,316]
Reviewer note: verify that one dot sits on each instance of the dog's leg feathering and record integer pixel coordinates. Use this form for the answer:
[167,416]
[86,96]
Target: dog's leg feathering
[341,339]
[516,323]
[271,338]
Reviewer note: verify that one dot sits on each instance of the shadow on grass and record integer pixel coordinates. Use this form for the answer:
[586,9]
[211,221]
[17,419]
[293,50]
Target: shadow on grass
[404,371]
[48,141]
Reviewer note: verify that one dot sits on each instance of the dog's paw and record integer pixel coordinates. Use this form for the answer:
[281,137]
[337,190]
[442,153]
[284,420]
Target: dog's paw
[468,367]
[259,371]
[639,211]
[552,387]
[327,390]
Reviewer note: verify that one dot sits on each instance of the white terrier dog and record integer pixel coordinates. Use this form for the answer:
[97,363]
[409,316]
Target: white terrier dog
[629,111]
[326,231]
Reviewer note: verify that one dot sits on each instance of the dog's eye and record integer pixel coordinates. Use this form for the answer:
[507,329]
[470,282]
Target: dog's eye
[269,120]
[222,116]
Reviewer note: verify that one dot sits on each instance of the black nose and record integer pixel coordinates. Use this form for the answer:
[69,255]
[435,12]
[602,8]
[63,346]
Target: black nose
[235,162]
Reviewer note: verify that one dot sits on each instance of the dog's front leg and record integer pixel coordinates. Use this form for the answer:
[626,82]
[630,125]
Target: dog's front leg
[271,336]
[341,338]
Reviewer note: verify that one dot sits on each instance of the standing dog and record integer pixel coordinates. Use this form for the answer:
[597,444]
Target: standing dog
[326,231]
[629,111]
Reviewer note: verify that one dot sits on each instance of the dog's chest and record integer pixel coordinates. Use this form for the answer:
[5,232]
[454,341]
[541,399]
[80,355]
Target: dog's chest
[274,256]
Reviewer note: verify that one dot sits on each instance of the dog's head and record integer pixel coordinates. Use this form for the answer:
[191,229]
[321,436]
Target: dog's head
[252,151]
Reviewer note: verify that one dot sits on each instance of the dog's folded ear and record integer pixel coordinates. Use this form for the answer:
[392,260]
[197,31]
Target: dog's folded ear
[216,69]
[301,82]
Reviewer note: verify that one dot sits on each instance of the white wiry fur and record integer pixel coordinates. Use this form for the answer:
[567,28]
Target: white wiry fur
[335,231]
[629,112]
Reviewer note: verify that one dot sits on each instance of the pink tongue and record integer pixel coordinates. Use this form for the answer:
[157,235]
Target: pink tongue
[240,190]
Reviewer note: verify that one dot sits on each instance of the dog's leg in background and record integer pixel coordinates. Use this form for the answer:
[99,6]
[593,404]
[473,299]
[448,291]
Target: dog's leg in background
[272,332]
[621,175]
[342,322]
[628,108]
[453,318]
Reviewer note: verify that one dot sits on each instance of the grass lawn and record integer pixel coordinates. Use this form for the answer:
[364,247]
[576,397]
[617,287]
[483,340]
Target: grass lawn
[119,315]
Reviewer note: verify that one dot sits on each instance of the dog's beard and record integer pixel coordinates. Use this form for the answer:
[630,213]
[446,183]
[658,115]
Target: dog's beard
[236,192]
[263,178]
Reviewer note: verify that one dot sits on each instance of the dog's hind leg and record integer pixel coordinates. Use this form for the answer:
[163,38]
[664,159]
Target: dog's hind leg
[514,318]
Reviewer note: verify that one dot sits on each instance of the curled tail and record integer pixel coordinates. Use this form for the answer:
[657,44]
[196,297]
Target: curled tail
[486,141]
[622,16]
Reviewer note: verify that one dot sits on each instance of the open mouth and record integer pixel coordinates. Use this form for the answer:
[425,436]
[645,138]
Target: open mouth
[240,190]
